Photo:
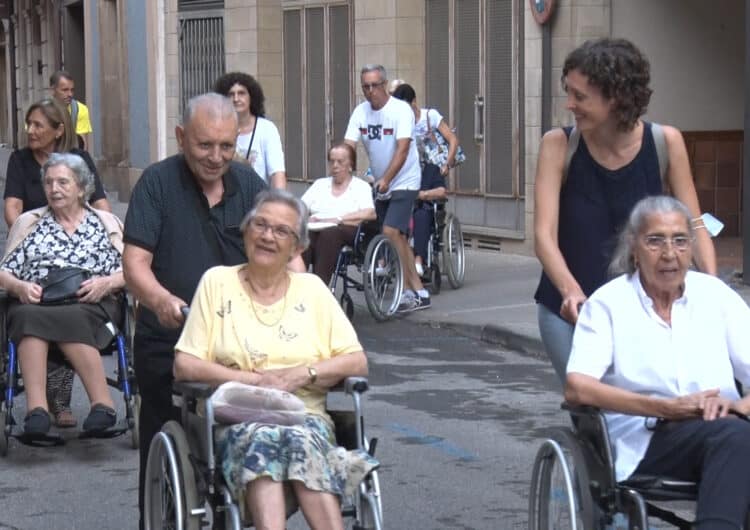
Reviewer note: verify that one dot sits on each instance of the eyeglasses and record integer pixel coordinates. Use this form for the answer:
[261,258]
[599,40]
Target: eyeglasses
[656,242]
[371,86]
[259,226]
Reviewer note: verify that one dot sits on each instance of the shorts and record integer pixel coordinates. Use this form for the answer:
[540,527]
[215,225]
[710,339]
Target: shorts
[396,212]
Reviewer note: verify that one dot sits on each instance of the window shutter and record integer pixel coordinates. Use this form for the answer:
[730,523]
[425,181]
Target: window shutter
[201,55]
[437,39]
[340,68]
[199,5]
[316,92]
[293,129]
[467,87]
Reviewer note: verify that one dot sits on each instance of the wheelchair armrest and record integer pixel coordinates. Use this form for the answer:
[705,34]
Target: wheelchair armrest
[351,385]
[580,410]
[191,389]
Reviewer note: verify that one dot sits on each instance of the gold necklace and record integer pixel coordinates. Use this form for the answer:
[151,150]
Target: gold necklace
[255,311]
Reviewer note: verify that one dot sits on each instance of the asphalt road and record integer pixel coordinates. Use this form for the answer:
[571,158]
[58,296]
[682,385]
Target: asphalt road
[457,422]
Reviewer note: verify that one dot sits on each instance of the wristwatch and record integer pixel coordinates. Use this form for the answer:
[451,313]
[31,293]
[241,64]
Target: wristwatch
[313,373]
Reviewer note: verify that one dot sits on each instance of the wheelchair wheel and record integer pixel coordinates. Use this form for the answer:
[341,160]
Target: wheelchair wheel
[347,305]
[382,278]
[453,251]
[4,430]
[436,279]
[135,411]
[171,493]
[560,495]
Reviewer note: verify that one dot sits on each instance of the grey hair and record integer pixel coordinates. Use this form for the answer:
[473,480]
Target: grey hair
[371,67]
[623,261]
[283,197]
[78,166]
[218,107]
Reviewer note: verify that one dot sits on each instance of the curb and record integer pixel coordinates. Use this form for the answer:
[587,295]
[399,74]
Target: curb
[494,334]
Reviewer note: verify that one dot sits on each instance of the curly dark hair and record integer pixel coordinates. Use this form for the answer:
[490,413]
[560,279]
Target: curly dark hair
[257,99]
[620,71]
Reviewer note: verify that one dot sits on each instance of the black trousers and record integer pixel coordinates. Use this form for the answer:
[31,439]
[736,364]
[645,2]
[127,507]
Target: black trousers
[324,249]
[154,377]
[714,453]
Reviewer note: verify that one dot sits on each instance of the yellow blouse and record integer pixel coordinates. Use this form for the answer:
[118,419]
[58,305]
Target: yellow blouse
[305,326]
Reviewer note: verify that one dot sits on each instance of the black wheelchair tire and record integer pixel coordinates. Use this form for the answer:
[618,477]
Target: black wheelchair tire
[454,258]
[372,285]
[4,430]
[582,513]
[135,411]
[347,304]
[436,279]
[170,446]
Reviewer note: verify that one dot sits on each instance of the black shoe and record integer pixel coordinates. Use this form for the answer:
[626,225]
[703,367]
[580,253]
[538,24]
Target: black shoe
[37,421]
[100,418]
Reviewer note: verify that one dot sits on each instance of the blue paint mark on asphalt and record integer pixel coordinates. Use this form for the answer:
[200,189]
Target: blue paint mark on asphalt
[435,441]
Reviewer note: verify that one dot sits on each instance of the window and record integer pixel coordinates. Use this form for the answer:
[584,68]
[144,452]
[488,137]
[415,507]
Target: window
[201,45]
[317,85]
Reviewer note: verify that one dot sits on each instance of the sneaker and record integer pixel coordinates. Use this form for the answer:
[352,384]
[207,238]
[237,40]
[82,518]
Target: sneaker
[420,269]
[414,303]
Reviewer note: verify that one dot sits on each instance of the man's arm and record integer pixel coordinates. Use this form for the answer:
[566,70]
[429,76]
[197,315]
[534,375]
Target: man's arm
[140,279]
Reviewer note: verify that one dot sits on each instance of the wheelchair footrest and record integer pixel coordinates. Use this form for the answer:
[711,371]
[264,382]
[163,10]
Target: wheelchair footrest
[662,488]
[40,440]
[120,428]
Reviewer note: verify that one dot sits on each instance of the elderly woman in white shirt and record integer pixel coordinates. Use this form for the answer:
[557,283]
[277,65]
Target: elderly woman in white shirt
[337,204]
[659,348]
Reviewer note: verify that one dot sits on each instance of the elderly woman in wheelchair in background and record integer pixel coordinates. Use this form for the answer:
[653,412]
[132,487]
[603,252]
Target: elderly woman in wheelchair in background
[659,349]
[337,205]
[70,239]
[262,325]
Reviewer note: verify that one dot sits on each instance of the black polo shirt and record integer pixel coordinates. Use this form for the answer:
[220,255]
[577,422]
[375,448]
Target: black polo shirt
[169,216]
[24,179]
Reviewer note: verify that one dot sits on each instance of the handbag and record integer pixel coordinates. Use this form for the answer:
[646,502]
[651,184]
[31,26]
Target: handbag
[435,148]
[61,285]
[235,402]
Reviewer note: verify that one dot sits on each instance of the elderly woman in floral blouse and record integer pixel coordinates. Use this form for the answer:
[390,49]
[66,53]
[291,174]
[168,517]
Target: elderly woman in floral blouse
[67,233]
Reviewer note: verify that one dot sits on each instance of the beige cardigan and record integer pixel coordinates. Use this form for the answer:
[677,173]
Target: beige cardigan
[27,221]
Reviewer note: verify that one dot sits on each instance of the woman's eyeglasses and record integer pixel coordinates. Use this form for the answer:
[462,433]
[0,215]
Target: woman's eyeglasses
[259,226]
[657,242]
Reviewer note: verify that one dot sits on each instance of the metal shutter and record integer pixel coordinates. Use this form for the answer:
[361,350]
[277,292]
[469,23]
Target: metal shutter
[339,71]
[316,92]
[293,126]
[467,87]
[499,100]
[197,5]
[201,55]
[437,40]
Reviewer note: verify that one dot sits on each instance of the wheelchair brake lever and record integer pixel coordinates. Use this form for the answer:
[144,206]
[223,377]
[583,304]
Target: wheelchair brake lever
[373,445]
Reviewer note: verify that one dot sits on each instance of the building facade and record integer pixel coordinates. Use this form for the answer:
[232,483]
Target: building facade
[487,65]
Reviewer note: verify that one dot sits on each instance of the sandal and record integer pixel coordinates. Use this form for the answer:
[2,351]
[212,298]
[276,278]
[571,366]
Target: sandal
[65,419]
[37,421]
[100,418]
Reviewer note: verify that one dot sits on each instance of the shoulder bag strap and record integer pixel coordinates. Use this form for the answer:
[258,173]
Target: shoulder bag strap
[662,153]
[252,138]
[573,139]
[74,113]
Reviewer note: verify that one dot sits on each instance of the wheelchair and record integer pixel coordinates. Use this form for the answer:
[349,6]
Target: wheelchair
[184,487]
[445,250]
[573,482]
[11,384]
[375,257]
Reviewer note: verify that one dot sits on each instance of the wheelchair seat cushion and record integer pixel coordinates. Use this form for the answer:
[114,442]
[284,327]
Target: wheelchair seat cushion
[81,323]
[307,453]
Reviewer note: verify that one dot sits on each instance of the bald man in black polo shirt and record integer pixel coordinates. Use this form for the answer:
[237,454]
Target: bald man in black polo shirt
[183,218]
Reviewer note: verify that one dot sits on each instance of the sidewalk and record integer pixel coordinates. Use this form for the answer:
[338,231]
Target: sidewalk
[496,302]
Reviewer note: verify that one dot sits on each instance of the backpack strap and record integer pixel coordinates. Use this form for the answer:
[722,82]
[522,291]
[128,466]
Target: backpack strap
[662,153]
[573,138]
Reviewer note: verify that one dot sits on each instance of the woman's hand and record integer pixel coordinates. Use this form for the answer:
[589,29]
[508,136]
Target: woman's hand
[94,289]
[445,168]
[287,379]
[29,293]
[571,305]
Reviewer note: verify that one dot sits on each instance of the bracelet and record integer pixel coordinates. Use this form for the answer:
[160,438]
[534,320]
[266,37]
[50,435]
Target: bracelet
[313,373]
[697,223]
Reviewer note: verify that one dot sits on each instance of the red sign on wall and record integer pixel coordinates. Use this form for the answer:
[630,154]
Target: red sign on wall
[542,10]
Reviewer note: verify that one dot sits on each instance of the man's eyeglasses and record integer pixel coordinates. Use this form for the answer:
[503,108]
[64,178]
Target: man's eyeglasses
[656,242]
[259,226]
[366,87]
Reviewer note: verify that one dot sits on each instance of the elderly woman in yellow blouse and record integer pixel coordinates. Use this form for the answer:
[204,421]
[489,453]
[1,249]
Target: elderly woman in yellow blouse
[262,325]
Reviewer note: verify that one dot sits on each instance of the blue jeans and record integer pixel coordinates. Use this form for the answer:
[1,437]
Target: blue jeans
[557,336]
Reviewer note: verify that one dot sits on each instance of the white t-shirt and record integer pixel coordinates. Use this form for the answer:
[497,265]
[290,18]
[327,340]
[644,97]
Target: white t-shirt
[420,128]
[620,340]
[266,155]
[322,204]
[379,130]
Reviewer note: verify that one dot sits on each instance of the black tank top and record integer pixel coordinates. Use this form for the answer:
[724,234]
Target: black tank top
[594,205]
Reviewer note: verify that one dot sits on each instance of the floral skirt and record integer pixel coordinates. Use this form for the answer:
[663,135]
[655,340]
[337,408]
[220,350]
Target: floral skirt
[307,453]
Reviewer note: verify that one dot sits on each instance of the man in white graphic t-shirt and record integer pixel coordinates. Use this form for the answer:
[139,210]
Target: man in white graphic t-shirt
[385,125]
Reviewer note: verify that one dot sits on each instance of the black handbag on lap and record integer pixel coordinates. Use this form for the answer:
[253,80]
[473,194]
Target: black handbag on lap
[61,285]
